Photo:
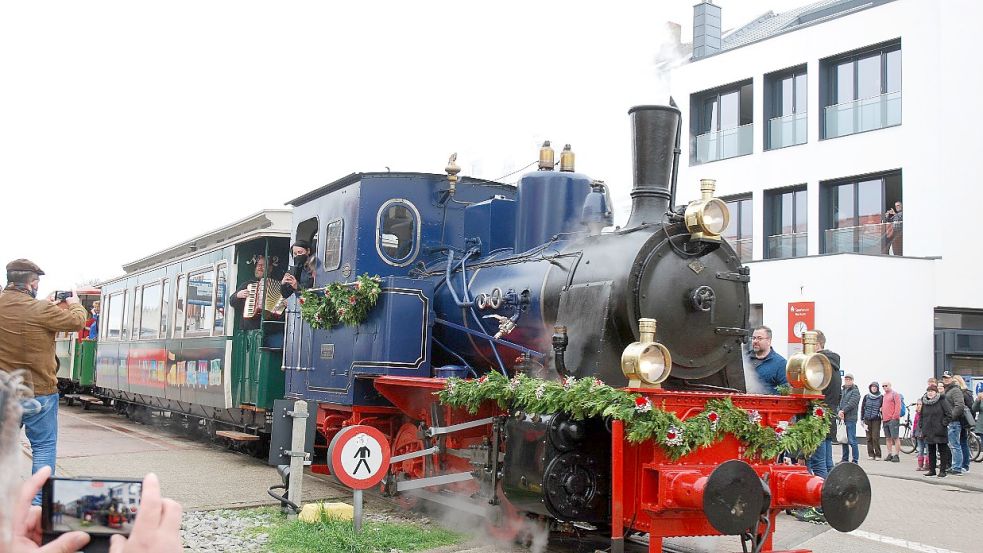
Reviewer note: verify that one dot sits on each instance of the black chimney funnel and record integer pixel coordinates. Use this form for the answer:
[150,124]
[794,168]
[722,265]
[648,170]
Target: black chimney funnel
[655,133]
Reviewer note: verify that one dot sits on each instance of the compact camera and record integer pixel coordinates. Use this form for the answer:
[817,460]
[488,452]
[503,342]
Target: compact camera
[100,507]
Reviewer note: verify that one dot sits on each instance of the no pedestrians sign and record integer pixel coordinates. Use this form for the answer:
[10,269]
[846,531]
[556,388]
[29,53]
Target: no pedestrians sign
[359,456]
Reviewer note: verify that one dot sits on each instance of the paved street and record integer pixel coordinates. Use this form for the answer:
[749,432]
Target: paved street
[909,512]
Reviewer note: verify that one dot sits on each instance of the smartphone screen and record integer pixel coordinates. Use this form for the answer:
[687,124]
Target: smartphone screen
[99,507]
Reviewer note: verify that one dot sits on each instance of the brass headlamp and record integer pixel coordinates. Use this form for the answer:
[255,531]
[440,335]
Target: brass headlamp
[707,218]
[646,363]
[808,371]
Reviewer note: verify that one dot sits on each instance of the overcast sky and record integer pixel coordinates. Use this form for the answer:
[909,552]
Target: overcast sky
[127,127]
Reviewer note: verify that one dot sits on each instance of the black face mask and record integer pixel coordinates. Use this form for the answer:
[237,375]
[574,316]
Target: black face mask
[300,260]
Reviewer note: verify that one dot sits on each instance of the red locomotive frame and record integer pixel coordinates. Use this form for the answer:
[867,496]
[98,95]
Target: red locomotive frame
[651,493]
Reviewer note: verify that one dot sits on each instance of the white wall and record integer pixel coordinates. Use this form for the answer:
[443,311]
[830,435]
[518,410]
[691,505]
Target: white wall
[880,328]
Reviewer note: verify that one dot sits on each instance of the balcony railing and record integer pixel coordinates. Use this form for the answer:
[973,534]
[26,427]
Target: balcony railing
[742,247]
[734,142]
[781,246]
[862,115]
[788,130]
[877,239]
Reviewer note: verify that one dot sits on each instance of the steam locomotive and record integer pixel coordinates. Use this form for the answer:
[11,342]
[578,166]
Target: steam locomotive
[478,277]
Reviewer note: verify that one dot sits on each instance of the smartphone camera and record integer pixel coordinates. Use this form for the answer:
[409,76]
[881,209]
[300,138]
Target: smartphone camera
[96,506]
[62,296]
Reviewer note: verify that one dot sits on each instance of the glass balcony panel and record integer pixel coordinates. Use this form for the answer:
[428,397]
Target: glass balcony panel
[862,115]
[781,246]
[877,239]
[788,130]
[713,146]
[742,247]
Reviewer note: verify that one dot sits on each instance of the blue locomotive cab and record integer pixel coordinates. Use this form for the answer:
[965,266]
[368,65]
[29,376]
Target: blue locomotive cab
[394,225]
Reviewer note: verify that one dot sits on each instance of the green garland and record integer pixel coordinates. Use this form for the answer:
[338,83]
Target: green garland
[340,302]
[590,397]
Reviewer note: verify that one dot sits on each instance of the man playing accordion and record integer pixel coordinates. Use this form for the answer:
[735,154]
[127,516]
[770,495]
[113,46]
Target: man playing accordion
[250,299]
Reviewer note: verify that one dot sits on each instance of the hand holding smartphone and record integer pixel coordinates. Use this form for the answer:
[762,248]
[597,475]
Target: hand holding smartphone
[119,515]
[99,507]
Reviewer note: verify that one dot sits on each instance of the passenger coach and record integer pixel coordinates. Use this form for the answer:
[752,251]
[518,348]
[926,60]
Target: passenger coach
[169,342]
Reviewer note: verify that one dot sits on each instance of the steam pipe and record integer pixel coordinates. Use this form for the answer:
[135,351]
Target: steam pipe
[655,138]
[676,152]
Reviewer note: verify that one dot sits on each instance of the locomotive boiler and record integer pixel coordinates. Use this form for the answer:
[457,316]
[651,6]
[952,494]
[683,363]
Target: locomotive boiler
[531,281]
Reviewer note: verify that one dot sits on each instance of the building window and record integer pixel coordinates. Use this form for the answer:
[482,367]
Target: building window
[738,232]
[786,108]
[723,124]
[862,90]
[786,223]
[863,215]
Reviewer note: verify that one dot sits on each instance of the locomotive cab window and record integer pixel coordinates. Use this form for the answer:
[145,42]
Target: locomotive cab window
[398,232]
[332,245]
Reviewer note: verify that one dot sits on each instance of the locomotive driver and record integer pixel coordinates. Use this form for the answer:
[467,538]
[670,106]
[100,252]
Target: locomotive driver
[306,262]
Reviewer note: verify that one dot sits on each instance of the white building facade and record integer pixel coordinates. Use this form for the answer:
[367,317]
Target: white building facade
[814,123]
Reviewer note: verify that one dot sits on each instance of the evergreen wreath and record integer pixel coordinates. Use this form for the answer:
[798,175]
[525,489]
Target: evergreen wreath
[340,302]
[590,397]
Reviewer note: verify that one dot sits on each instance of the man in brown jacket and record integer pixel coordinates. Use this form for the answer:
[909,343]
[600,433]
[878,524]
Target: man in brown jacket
[27,342]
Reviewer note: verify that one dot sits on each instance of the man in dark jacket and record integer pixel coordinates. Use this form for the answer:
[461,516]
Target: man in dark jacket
[954,397]
[832,395]
[933,421]
[849,405]
[767,362]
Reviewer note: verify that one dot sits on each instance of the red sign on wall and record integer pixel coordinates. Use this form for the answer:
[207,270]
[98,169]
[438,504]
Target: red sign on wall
[801,317]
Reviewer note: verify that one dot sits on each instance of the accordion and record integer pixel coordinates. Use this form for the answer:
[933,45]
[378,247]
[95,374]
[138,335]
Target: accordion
[264,296]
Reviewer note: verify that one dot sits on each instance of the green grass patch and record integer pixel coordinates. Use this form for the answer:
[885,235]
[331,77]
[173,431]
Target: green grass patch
[339,536]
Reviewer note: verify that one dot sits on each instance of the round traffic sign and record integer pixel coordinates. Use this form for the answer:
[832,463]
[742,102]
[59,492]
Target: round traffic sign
[359,456]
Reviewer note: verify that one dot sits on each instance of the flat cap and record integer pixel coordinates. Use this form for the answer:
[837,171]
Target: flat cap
[24,265]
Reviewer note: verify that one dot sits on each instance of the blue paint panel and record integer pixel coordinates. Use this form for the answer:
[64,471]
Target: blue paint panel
[550,203]
[394,340]
[492,222]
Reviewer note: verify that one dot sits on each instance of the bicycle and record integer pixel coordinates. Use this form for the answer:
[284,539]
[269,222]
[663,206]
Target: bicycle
[908,442]
[975,447]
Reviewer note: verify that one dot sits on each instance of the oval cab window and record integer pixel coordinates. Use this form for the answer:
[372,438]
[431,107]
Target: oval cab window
[398,232]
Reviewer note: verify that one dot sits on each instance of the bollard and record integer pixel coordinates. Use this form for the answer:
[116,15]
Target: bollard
[295,487]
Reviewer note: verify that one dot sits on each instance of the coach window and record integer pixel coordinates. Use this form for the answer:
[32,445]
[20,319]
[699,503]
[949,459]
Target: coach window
[150,312]
[179,302]
[114,316]
[200,309]
[220,291]
[332,245]
[134,326]
[398,232]
[165,305]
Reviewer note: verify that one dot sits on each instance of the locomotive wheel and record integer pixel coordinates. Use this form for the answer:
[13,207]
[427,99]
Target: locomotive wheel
[407,442]
[506,522]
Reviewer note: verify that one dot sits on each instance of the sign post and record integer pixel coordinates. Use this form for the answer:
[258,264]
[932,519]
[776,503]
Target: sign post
[359,458]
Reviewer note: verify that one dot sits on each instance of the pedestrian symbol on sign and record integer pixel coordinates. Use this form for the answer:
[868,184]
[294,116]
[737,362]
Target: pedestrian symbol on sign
[362,453]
